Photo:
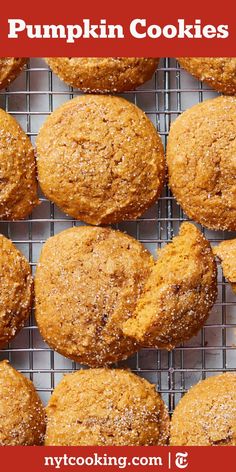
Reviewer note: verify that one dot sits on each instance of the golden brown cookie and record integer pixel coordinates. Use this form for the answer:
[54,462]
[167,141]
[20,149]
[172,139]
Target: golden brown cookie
[178,294]
[87,283]
[100,159]
[226,252]
[206,415]
[22,417]
[16,290]
[218,72]
[102,407]
[103,74]
[10,67]
[18,185]
[201,162]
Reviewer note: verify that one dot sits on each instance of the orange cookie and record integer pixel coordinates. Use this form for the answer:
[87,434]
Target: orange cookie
[206,415]
[100,159]
[226,252]
[22,417]
[218,72]
[178,294]
[87,284]
[10,67]
[201,161]
[16,290]
[18,185]
[103,74]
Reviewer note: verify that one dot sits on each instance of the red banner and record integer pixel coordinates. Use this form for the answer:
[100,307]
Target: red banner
[180,28]
[148,459]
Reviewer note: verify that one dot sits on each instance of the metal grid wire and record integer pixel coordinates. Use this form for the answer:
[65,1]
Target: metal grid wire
[33,96]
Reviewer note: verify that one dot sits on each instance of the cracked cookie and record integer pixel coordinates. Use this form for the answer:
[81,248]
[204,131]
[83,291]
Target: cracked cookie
[22,417]
[10,67]
[103,74]
[201,159]
[218,72]
[100,159]
[18,185]
[102,407]
[16,290]
[226,252]
[178,294]
[86,285]
[206,415]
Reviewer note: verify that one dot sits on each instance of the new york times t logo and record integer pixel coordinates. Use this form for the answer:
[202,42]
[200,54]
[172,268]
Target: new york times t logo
[181,460]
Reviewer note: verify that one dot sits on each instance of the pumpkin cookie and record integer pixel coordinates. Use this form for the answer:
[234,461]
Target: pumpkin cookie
[22,418]
[10,67]
[206,415]
[100,159]
[16,290]
[18,186]
[226,252]
[103,74]
[102,407]
[218,72]
[201,161]
[178,294]
[87,283]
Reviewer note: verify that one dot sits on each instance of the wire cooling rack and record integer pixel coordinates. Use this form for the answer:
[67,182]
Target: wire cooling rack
[33,96]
